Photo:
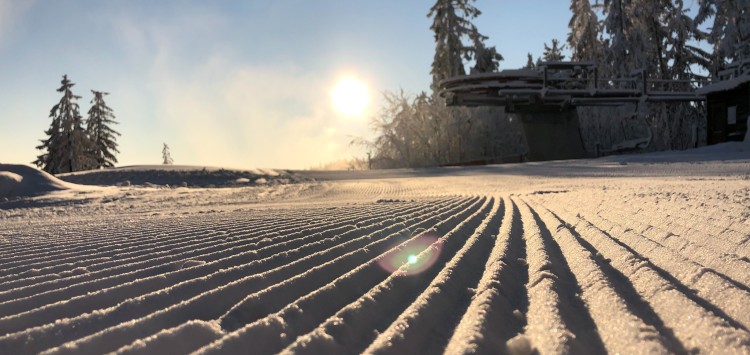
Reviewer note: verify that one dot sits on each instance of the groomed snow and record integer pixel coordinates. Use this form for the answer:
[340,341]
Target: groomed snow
[623,254]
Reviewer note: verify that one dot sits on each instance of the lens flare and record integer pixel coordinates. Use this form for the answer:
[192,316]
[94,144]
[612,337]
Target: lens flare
[415,256]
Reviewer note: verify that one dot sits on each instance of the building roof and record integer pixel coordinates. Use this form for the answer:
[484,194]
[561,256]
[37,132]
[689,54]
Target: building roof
[724,85]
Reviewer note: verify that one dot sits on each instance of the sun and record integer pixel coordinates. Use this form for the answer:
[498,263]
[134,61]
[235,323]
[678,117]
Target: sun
[350,97]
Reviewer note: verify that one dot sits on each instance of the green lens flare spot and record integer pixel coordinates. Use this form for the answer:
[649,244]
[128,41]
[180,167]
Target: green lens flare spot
[412,259]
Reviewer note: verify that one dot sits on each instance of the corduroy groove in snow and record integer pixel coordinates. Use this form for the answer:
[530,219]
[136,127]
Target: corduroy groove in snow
[401,266]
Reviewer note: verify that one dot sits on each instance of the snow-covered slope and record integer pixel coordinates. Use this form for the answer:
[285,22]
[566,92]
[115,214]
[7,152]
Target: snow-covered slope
[23,180]
[609,255]
[176,175]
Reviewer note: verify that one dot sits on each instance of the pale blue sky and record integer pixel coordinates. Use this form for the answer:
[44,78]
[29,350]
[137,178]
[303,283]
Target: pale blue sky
[231,83]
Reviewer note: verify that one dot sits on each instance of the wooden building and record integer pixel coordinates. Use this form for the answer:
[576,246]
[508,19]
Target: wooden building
[728,104]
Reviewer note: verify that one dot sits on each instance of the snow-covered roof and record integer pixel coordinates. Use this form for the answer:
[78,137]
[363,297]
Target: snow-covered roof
[724,85]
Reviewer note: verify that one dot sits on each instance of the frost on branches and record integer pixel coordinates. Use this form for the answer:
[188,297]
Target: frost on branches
[453,28]
[730,33]
[652,35]
[67,147]
[583,38]
[554,53]
[102,136]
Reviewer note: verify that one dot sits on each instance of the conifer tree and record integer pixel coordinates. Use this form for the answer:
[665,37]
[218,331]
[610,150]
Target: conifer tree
[165,156]
[583,39]
[457,41]
[51,156]
[617,52]
[453,28]
[679,51]
[67,147]
[554,53]
[680,54]
[529,62]
[487,59]
[99,131]
[655,36]
[730,33]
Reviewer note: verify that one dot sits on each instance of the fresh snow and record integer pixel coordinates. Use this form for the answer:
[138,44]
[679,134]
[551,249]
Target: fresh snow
[26,181]
[644,253]
[9,182]
[724,85]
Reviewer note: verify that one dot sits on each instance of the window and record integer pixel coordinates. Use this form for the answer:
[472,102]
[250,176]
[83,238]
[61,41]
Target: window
[732,115]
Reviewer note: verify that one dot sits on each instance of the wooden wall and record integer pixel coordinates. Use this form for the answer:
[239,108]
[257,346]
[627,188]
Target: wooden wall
[719,130]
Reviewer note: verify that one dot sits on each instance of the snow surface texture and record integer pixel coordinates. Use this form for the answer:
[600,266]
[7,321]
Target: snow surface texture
[177,175]
[626,254]
[24,181]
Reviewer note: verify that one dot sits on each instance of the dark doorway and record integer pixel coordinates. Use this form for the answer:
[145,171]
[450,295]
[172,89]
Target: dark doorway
[717,123]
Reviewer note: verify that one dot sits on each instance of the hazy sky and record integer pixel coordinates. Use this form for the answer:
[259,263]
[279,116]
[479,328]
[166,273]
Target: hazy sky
[231,83]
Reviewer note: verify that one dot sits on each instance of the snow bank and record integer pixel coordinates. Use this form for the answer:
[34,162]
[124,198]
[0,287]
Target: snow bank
[23,180]
[718,152]
[8,182]
[177,175]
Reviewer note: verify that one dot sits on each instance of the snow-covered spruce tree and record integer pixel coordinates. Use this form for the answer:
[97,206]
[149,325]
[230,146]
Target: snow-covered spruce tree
[583,38]
[449,28]
[554,53]
[423,131]
[529,62]
[653,35]
[101,134]
[617,61]
[586,43]
[679,50]
[457,41]
[634,36]
[661,36]
[453,29]
[635,43]
[486,60]
[67,147]
[730,33]
[166,157]
[649,36]
[684,120]
[51,156]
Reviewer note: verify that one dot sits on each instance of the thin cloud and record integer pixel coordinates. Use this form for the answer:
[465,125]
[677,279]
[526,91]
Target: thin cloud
[216,109]
[252,116]
[11,13]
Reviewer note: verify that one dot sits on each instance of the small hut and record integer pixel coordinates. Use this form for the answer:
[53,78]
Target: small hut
[728,104]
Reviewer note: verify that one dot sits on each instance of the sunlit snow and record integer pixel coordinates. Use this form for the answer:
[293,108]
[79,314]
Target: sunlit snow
[623,254]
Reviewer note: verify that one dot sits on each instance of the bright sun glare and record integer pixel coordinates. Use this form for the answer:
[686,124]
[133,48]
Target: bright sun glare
[412,259]
[350,97]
